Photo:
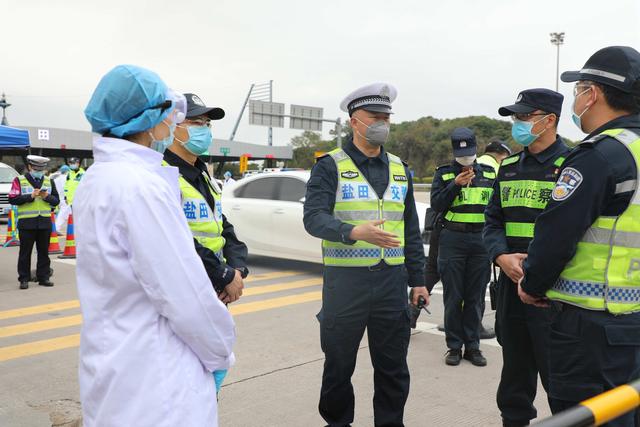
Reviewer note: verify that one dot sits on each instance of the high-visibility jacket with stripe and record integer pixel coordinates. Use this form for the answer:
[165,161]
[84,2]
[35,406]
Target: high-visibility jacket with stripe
[37,207]
[70,187]
[604,274]
[524,193]
[469,204]
[489,160]
[205,223]
[357,203]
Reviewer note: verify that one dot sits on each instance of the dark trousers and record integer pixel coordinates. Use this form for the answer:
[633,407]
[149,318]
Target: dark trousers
[591,352]
[523,332]
[431,275]
[464,267]
[355,299]
[28,238]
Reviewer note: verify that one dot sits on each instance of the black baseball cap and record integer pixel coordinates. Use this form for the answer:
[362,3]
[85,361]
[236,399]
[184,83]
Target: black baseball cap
[616,66]
[531,100]
[195,108]
[463,141]
[497,147]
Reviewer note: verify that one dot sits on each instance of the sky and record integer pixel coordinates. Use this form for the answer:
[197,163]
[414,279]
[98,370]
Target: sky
[447,59]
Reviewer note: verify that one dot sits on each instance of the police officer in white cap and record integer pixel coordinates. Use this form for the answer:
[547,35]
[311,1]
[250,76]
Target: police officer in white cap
[360,202]
[35,196]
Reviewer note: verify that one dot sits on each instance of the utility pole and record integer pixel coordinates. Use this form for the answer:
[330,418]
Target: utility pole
[4,105]
[557,39]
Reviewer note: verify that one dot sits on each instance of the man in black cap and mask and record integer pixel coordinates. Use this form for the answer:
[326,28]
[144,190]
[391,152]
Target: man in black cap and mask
[585,254]
[360,202]
[461,191]
[521,191]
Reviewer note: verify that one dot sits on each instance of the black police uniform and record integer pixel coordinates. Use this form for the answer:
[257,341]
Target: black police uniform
[34,231]
[580,368]
[355,298]
[220,273]
[463,263]
[522,330]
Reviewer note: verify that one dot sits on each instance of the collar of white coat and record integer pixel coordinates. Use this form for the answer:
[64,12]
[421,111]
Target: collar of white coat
[121,150]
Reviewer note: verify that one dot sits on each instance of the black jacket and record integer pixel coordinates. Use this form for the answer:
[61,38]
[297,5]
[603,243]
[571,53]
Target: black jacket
[235,251]
[603,165]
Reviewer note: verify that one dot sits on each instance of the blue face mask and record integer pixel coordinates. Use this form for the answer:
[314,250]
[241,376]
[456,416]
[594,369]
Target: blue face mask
[199,139]
[161,145]
[521,132]
[577,118]
[37,174]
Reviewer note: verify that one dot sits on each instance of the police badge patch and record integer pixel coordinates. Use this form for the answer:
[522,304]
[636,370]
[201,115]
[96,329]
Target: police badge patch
[350,174]
[569,180]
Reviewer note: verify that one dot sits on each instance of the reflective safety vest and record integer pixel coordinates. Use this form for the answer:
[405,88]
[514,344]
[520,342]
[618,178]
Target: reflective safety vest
[604,274]
[37,207]
[357,203]
[487,159]
[523,196]
[468,206]
[205,223]
[73,180]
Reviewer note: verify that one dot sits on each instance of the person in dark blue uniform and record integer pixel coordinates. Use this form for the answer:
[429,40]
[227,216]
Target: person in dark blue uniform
[520,193]
[577,256]
[461,191]
[360,201]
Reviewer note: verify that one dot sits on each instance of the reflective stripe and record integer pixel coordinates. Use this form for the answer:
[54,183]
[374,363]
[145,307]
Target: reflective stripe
[602,236]
[448,176]
[623,135]
[490,175]
[519,229]
[580,289]
[367,215]
[626,186]
[24,213]
[510,160]
[603,73]
[464,217]
[352,253]
[204,234]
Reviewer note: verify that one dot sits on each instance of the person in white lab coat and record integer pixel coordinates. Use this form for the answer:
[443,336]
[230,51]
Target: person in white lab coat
[228,178]
[63,208]
[153,329]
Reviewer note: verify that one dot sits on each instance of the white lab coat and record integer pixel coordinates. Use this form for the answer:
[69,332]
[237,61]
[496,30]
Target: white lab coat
[63,208]
[153,329]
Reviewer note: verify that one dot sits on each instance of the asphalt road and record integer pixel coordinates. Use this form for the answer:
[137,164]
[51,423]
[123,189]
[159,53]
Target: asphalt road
[276,380]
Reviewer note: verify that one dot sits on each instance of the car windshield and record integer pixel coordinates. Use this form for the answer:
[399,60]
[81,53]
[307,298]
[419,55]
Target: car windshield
[7,175]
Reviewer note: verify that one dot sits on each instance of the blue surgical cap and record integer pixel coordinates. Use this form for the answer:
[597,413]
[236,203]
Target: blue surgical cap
[122,103]
[64,168]
[227,173]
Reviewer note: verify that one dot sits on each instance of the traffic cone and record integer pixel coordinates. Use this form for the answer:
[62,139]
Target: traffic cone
[70,243]
[12,233]
[54,244]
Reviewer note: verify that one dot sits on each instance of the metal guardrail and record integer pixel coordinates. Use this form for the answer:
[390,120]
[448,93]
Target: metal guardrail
[599,409]
[422,187]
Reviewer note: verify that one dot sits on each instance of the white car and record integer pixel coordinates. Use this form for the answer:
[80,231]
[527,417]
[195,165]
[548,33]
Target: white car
[7,175]
[266,212]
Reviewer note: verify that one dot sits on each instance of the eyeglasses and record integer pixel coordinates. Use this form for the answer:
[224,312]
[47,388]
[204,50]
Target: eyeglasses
[525,117]
[198,122]
[577,89]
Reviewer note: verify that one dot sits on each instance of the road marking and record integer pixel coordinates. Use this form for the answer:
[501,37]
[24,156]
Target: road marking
[259,290]
[38,347]
[268,304]
[432,328]
[37,309]
[45,346]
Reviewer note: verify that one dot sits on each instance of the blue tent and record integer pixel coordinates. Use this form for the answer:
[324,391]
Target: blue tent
[12,138]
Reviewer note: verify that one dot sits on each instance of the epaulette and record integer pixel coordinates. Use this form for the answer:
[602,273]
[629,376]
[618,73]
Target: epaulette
[511,159]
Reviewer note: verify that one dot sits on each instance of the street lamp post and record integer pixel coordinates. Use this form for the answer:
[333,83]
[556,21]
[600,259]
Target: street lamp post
[557,39]
[4,104]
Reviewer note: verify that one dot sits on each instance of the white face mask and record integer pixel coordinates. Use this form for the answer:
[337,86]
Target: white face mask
[466,160]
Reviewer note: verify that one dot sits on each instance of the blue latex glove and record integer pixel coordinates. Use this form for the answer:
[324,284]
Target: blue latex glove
[219,376]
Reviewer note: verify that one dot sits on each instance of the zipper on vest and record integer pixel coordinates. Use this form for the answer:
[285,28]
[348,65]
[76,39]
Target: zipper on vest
[380,214]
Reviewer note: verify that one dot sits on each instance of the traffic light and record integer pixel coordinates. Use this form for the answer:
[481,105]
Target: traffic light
[244,163]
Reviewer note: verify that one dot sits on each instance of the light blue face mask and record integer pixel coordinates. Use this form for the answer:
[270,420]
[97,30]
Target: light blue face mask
[521,132]
[577,118]
[37,174]
[161,145]
[199,139]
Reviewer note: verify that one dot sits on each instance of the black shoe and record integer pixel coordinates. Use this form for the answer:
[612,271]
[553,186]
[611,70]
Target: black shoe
[453,357]
[475,357]
[487,334]
[47,283]
[509,423]
[24,285]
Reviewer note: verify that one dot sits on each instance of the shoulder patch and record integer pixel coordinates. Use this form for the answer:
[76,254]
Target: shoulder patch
[569,180]
[349,174]
[511,159]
